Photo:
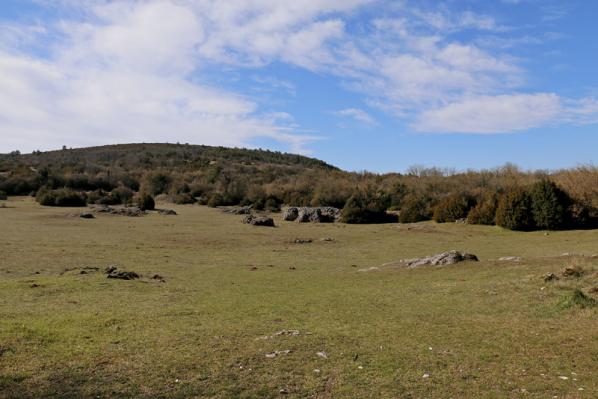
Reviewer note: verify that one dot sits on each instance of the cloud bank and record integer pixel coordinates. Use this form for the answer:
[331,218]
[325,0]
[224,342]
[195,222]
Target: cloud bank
[132,71]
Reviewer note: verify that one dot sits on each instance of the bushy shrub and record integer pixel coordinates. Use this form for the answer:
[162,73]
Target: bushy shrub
[156,182]
[364,207]
[3,196]
[123,195]
[215,200]
[272,205]
[581,215]
[146,202]
[183,198]
[61,197]
[550,205]
[414,209]
[453,207]
[514,210]
[485,210]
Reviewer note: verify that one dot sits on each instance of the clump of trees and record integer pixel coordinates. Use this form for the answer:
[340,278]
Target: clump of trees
[146,202]
[61,197]
[453,207]
[367,207]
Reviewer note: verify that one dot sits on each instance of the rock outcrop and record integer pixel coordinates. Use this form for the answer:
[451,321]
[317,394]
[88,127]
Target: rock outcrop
[445,258]
[322,214]
[258,220]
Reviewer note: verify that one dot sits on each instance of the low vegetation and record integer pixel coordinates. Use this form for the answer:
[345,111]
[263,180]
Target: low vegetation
[201,305]
[266,180]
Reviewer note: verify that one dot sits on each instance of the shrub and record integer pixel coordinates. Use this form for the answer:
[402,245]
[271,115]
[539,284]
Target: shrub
[514,210]
[215,200]
[550,205]
[156,182]
[183,198]
[362,208]
[61,197]
[272,205]
[414,209]
[485,210]
[146,202]
[453,207]
[123,195]
[3,196]
[581,215]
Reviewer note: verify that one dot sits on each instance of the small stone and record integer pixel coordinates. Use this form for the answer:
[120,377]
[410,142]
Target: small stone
[562,377]
[322,354]
[360,367]
[317,371]
[426,375]
[283,391]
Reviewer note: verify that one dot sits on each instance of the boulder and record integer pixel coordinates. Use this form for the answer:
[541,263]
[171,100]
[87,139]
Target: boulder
[167,212]
[113,272]
[238,210]
[258,220]
[86,215]
[120,211]
[322,214]
[290,214]
[445,258]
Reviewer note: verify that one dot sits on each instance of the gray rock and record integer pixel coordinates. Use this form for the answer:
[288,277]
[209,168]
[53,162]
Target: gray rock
[445,258]
[86,215]
[238,210]
[322,214]
[120,211]
[290,214]
[258,220]
[113,272]
[167,212]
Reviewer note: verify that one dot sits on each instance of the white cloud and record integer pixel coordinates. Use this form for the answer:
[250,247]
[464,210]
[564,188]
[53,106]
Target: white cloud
[492,114]
[357,114]
[133,71]
[122,73]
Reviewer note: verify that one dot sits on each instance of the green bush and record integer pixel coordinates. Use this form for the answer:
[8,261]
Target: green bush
[363,208]
[550,205]
[272,205]
[183,198]
[453,207]
[3,196]
[414,209]
[61,197]
[123,195]
[485,210]
[581,215]
[146,202]
[215,200]
[514,210]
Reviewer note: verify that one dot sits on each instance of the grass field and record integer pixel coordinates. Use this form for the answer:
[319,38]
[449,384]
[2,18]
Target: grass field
[489,329]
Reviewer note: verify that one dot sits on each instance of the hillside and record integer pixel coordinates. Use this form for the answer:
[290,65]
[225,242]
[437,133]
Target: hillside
[185,156]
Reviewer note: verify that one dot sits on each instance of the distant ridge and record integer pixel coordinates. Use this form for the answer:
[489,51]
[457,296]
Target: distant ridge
[131,156]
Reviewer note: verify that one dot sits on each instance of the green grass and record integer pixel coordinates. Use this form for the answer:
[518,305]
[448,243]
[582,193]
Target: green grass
[495,329]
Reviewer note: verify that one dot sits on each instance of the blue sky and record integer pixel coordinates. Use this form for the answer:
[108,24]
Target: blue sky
[363,84]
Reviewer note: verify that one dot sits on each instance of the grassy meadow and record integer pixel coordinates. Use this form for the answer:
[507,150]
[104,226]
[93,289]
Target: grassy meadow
[488,329]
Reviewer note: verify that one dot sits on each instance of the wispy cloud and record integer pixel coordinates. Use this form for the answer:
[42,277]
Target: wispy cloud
[134,70]
[357,114]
